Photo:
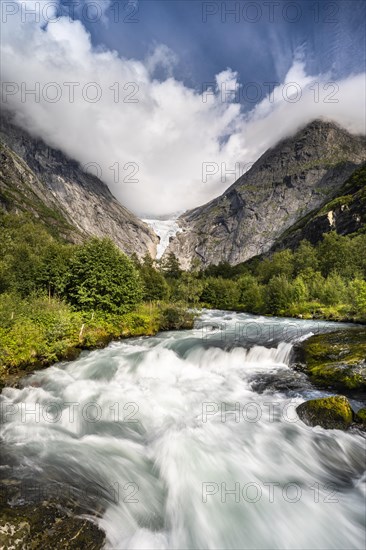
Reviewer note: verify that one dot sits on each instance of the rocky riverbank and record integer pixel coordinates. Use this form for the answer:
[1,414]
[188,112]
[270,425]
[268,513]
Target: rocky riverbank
[331,413]
[335,360]
[43,524]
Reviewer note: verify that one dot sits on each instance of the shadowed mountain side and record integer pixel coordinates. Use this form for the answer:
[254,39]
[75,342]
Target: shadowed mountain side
[297,176]
[38,179]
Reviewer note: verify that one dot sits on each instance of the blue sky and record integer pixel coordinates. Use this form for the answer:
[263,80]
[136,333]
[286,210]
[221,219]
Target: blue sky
[259,41]
[173,147]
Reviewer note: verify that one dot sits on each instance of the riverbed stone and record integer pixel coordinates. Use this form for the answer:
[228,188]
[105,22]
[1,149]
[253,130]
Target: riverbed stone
[360,416]
[335,360]
[328,412]
[47,525]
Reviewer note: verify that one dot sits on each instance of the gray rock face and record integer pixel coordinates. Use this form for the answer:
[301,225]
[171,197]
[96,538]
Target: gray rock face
[297,176]
[33,174]
[345,214]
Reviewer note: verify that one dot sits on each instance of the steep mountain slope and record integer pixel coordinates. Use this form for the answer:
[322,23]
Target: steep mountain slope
[297,176]
[41,180]
[22,192]
[345,214]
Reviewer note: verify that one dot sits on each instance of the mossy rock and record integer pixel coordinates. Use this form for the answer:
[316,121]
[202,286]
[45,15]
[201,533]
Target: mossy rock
[360,416]
[336,359]
[329,412]
[47,526]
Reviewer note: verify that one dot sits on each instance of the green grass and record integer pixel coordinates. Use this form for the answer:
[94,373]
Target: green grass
[36,332]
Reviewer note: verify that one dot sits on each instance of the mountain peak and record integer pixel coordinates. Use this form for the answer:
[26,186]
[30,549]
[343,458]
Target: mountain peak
[289,180]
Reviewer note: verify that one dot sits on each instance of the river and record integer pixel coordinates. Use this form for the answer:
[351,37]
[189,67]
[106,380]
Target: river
[190,440]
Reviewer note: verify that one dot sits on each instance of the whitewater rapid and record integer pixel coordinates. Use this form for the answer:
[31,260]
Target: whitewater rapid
[190,440]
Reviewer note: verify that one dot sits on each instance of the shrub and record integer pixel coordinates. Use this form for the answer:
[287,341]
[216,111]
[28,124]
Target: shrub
[279,294]
[251,294]
[102,277]
[221,293]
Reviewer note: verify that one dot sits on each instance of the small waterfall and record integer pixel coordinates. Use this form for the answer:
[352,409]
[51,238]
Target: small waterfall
[278,355]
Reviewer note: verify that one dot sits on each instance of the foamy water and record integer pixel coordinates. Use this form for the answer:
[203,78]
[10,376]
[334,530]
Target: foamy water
[177,447]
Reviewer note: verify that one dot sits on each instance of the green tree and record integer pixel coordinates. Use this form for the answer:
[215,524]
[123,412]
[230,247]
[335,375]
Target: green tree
[314,281]
[358,248]
[102,277]
[188,288]
[196,267]
[334,290]
[305,257]
[23,248]
[357,295]
[23,266]
[223,269]
[155,286]
[300,291]
[220,293]
[53,272]
[335,253]
[135,260]
[281,263]
[251,294]
[279,294]
[170,266]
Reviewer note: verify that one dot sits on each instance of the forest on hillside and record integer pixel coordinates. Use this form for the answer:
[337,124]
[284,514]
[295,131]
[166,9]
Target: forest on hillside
[56,297]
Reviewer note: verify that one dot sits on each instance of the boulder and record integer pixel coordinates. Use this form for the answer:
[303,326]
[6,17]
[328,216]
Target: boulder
[335,360]
[360,416]
[329,412]
[49,523]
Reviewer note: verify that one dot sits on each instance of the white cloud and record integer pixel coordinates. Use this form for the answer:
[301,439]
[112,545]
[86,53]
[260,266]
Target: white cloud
[161,57]
[163,128]
[91,10]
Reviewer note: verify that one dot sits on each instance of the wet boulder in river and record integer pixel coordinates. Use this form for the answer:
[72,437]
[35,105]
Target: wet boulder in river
[329,412]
